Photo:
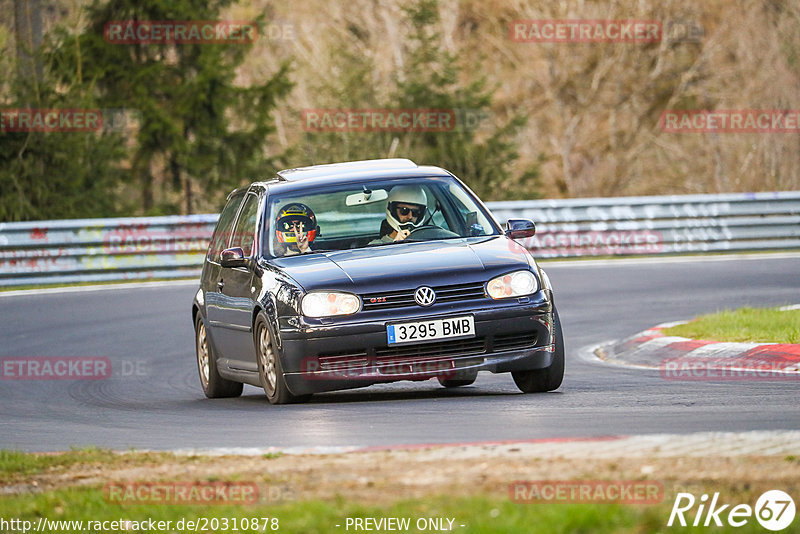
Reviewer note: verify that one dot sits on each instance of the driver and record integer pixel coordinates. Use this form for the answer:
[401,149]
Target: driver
[405,212]
[296,228]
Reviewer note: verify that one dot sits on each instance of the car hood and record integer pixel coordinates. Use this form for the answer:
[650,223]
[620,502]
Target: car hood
[406,265]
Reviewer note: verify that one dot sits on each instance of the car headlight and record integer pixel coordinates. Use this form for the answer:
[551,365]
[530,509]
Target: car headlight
[329,303]
[514,284]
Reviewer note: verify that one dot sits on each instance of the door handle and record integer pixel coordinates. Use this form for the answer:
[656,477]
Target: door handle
[221,284]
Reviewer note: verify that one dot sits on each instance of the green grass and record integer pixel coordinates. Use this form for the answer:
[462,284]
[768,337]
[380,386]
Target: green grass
[477,514]
[486,513]
[756,325]
[15,465]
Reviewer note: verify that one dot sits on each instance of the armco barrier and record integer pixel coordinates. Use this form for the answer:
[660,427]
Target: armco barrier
[90,250]
[659,225]
[44,252]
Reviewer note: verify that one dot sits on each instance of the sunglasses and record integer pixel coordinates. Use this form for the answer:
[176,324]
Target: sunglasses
[404,211]
[294,225]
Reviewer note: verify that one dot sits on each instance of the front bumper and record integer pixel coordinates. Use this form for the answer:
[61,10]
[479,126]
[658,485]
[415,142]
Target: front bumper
[509,336]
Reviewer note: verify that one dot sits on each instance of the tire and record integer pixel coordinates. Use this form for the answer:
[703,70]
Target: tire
[549,378]
[465,378]
[270,371]
[214,386]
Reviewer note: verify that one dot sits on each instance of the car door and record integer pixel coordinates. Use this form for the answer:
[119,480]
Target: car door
[214,301]
[236,290]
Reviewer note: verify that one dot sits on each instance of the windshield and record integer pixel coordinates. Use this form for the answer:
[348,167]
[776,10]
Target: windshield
[370,214]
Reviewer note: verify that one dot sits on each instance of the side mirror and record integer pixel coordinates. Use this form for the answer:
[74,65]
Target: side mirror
[520,228]
[233,257]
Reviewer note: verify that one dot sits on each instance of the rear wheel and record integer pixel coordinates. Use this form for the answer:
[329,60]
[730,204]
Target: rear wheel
[461,378]
[549,378]
[270,372]
[214,386]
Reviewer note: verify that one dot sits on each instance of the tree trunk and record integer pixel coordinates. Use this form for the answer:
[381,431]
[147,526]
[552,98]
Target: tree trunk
[28,27]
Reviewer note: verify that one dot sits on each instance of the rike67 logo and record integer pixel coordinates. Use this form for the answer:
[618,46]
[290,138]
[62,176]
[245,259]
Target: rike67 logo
[774,510]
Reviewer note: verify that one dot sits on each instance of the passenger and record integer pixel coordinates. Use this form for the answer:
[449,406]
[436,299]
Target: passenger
[296,228]
[405,211]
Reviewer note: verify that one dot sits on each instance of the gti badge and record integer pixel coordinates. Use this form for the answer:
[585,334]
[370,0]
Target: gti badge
[424,296]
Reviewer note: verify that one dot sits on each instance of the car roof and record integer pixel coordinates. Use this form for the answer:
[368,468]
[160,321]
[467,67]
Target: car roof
[367,170]
[349,167]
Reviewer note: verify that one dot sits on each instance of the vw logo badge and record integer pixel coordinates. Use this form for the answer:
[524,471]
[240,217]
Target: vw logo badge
[424,296]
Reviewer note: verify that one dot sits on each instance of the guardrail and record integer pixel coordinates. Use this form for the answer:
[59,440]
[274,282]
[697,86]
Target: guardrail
[659,224]
[95,250]
[90,250]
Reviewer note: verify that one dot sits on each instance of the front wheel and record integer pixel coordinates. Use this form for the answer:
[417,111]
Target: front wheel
[549,378]
[270,372]
[214,386]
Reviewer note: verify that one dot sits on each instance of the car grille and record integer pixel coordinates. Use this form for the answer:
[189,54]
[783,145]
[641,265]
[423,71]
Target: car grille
[395,359]
[515,341]
[460,347]
[336,361]
[399,299]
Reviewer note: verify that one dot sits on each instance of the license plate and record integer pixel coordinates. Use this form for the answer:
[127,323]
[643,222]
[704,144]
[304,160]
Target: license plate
[431,329]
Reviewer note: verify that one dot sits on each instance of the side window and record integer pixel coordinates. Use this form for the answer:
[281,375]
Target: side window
[244,233]
[223,229]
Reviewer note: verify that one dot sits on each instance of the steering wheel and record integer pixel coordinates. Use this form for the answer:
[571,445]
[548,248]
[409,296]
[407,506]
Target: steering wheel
[430,231]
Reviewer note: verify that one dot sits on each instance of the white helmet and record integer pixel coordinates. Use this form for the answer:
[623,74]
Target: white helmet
[406,194]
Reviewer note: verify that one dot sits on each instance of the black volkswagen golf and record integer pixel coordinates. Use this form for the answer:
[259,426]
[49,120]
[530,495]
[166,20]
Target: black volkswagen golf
[351,274]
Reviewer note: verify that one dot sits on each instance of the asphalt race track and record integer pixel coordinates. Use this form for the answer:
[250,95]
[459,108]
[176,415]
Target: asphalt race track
[154,400]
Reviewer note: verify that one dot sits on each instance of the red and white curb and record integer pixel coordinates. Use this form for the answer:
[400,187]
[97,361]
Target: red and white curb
[680,358]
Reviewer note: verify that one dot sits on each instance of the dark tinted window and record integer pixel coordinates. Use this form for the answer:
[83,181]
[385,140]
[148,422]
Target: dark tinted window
[244,233]
[223,229]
